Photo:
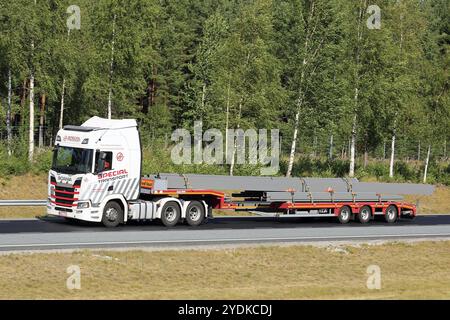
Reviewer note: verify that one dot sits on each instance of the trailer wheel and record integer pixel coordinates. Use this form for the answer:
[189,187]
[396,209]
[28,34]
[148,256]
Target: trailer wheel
[195,213]
[345,214]
[170,214]
[112,214]
[364,215]
[391,214]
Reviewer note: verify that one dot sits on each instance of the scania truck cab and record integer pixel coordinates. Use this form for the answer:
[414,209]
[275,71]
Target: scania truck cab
[96,169]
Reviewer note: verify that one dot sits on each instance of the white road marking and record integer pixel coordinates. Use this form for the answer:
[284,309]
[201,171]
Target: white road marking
[222,240]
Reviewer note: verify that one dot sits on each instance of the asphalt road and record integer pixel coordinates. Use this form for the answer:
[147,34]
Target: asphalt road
[55,233]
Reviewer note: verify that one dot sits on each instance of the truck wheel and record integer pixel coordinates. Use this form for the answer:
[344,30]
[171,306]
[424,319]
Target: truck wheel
[364,215]
[170,214]
[391,214]
[345,214]
[195,213]
[112,214]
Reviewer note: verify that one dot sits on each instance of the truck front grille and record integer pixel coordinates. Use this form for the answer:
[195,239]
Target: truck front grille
[65,196]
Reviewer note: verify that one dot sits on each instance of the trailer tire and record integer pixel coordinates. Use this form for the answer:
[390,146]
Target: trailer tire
[170,213]
[195,213]
[364,215]
[345,214]
[112,214]
[391,214]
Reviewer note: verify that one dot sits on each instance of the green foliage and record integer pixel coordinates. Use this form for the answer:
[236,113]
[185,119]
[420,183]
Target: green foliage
[15,164]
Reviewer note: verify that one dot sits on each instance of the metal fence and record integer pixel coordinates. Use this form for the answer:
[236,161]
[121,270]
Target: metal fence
[24,203]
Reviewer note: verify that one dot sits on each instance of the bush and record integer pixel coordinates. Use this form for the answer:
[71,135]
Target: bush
[42,161]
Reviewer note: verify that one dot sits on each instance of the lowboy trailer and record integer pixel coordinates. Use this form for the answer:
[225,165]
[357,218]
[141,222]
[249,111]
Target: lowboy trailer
[96,176]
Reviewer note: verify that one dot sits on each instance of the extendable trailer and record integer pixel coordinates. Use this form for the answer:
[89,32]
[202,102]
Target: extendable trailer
[96,176]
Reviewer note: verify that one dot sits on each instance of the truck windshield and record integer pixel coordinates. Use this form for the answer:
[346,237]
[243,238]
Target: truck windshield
[72,160]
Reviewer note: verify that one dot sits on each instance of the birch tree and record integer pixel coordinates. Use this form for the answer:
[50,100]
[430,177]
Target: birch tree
[309,38]
[31,98]
[111,66]
[358,48]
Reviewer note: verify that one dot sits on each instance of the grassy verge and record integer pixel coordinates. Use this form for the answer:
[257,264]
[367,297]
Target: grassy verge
[25,187]
[438,202]
[416,271]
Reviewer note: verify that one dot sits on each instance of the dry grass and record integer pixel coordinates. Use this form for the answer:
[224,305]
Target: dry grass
[416,271]
[23,188]
[438,202]
[35,187]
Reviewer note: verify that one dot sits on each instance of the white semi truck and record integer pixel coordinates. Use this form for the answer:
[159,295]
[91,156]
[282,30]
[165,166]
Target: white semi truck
[96,176]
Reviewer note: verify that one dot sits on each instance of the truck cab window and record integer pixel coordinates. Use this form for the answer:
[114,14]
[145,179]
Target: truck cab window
[103,161]
[72,160]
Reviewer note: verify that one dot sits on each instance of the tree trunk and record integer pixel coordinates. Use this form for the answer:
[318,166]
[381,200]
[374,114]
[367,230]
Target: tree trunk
[227,119]
[31,101]
[330,154]
[418,152]
[203,98]
[63,90]
[293,146]
[234,143]
[309,34]
[111,68]
[8,112]
[61,108]
[426,164]
[391,164]
[153,86]
[23,96]
[445,149]
[366,157]
[351,172]
[315,145]
[41,119]
[198,141]
[31,129]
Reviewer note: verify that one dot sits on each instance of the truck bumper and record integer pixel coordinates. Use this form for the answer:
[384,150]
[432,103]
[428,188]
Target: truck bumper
[91,214]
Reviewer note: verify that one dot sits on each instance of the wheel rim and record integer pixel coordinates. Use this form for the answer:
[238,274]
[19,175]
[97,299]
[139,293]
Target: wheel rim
[170,214]
[364,214]
[391,214]
[194,213]
[345,214]
[112,214]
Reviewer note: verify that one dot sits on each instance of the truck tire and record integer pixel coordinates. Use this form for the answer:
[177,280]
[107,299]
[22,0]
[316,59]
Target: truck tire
[391,214]
[170,214]
[345,214]
[364,215]
[195,213]
[112,215]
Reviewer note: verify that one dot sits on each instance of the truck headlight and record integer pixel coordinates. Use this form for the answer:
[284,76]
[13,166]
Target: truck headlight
[83,205]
